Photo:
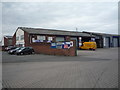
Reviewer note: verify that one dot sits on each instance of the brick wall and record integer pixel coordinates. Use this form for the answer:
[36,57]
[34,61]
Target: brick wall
[7,41]
[45,48]
[26,39]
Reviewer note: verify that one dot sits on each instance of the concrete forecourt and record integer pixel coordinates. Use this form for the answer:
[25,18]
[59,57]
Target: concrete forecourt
[90,69]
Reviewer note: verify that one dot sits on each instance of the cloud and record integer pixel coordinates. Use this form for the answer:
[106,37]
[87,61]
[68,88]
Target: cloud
[92,16]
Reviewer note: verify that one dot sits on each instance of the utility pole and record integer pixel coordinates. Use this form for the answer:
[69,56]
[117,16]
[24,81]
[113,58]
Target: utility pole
[76,31]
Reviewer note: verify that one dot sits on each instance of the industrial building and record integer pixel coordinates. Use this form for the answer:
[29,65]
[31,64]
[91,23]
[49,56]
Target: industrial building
[39,38]
[42,40]
[104,40]
[25,36]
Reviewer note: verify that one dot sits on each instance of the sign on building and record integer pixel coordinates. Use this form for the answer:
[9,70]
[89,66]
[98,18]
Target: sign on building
[80,41]
[80,44]
[53,45]
[66,46]
[59,45]
[62,45]
[71,43]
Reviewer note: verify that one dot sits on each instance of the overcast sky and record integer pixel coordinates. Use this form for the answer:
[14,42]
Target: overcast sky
[86,16]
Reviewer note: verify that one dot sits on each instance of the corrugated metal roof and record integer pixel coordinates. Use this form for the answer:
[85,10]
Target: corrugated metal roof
[53,32]
[102,34]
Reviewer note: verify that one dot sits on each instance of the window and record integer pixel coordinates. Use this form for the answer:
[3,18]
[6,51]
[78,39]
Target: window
[22,37]
[50,38]
[60,39]
[41,38]
[17,38]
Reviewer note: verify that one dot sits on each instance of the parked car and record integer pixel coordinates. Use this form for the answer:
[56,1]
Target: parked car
[25,50]
[14,50]
[10,48]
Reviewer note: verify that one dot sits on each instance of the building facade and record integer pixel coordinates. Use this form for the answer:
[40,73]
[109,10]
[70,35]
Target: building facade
[104,40]
[26,36]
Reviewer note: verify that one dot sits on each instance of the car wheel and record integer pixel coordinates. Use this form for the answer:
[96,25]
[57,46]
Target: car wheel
[21,53]
[90,49]
[33,52]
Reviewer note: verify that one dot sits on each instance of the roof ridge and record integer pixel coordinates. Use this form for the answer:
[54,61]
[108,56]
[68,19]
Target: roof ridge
[48,29]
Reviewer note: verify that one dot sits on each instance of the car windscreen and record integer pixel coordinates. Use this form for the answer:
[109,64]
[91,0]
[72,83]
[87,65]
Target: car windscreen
[22,48]
[15,49]
[18,48]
